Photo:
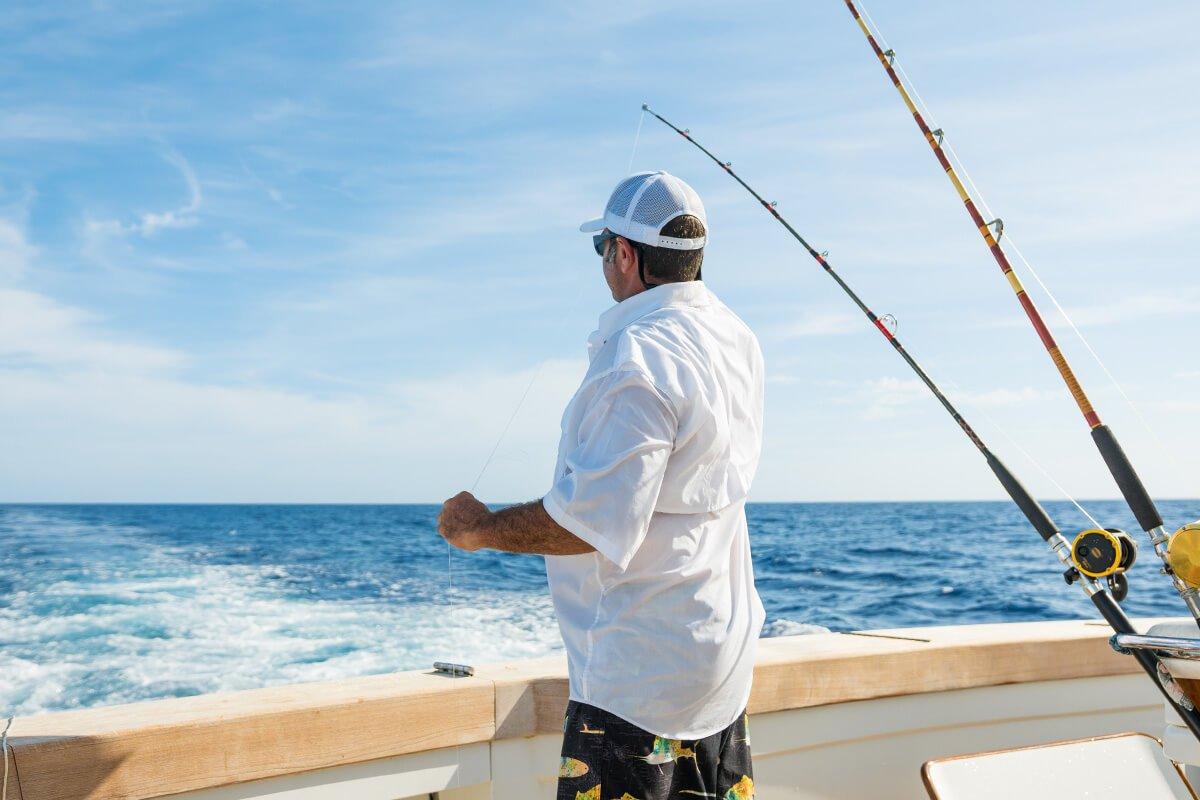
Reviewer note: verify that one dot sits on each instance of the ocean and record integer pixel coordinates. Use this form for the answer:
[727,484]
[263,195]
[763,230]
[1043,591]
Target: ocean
[103,604]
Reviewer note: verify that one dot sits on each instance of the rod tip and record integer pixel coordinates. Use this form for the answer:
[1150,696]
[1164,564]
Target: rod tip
[645,107]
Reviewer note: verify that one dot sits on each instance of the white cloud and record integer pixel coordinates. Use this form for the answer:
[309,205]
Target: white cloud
[272,192]
[40,333]
[818,324]
[88,414]
[1004,397]
[283,109]
[50,124]
[342,267]
[884,397]
[180,217]
[522,206]
[233,242]
[1120,310]
[36,331]
[80,435]
[15,252]
[151,222]
[1135,307]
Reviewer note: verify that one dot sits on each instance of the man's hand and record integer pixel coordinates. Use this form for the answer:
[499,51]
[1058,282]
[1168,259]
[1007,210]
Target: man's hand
[464,521]
[467,524]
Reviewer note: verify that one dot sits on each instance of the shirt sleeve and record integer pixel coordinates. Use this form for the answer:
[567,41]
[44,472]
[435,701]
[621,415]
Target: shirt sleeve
[614,472]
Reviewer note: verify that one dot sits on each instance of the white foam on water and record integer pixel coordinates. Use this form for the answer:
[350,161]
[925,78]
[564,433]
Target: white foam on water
[142,621]
[787,627]
[210,628]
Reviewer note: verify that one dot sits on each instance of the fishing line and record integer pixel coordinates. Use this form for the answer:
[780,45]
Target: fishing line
[567,314]
[4,749]
[1033,512]
[947,141]
[874,27]
[978,406]
[452,606]
[1012,245]
[1124,474]
[487,462]
[1112,378]
[983,203]
[1106,604]
[504,431]
[556,336]
[559,328]
[898,64]
[636,138]
[960,167]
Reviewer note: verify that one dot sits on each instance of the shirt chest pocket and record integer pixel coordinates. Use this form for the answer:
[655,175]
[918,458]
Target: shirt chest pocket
[569,436]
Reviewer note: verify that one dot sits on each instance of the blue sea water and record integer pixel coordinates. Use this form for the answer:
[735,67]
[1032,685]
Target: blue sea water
[104,604]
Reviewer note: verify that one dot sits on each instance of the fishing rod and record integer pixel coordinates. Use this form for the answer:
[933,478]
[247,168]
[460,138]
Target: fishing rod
[1119,465]
[1089,557]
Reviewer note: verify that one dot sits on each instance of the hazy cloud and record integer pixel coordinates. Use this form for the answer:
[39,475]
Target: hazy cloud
[151,222]
[818,323]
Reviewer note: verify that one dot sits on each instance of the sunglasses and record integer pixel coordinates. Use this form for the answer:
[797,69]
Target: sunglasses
[601,239]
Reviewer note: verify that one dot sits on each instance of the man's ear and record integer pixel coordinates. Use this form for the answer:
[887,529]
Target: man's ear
[628,255]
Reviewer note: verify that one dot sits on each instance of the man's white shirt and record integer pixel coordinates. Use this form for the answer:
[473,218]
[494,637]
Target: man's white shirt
[658,450]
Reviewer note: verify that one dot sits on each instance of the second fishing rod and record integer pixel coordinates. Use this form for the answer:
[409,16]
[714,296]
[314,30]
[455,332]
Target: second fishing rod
[1075,556]
[1118,463]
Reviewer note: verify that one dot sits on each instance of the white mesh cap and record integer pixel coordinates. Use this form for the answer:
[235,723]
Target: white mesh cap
[643,203]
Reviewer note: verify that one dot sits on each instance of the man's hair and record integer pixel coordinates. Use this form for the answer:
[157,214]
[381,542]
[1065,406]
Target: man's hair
[664,265]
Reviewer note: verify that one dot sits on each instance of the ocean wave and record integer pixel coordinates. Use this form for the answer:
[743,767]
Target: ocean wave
[787,627]
[113,604]
[214,628]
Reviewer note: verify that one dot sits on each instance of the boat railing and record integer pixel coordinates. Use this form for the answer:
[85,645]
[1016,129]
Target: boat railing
[1167,646]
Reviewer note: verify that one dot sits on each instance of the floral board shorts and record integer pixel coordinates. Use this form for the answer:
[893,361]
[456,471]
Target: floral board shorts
[606,758]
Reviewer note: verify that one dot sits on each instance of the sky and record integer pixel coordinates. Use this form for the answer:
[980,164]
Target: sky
[305,252]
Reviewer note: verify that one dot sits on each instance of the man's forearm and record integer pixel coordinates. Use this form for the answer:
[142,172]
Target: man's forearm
[527,528]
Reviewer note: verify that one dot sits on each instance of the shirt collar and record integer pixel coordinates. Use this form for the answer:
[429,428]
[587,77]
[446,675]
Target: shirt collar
[631,309]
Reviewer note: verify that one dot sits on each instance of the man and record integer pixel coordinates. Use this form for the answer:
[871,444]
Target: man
[644,529]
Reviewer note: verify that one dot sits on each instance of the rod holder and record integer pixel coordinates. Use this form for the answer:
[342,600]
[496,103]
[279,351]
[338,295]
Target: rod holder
[453,670]
[1170,646]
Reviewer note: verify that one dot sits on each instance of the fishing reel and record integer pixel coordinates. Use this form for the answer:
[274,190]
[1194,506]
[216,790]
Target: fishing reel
[1107,553]
[1183,554]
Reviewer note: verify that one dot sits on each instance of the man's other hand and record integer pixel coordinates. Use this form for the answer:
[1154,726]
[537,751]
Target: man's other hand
[464,521]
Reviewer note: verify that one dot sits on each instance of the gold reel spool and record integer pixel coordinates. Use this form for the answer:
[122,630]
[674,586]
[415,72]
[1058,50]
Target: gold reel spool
[1102,552]
[1183,554]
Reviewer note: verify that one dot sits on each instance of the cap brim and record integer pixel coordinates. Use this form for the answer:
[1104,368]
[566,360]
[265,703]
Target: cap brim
[593,225]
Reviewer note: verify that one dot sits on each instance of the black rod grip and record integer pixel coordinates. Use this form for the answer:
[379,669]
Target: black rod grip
[1120,623]
[1127,478]
[1031,508]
